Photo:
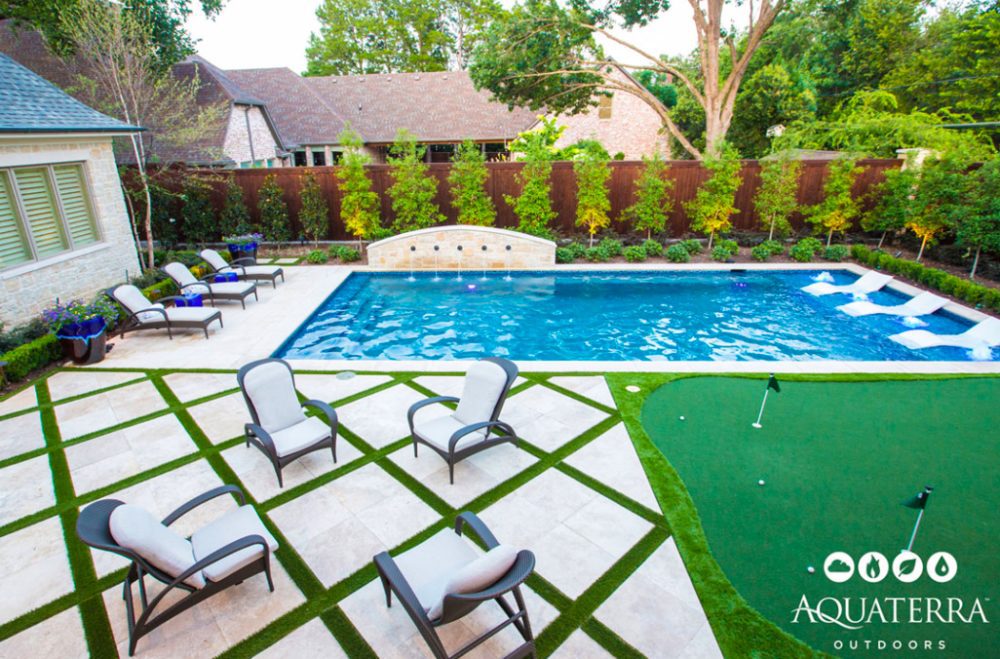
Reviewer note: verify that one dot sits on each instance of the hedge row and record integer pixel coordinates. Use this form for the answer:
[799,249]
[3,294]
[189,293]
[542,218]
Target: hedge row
[949,284]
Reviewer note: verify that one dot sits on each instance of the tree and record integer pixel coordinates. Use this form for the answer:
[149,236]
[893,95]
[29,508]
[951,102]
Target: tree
[116,66]
[359,204]
[942,200]
[592,202]
[839,207]
[715,202]
[894,206]
[200,222]
[162,19]
[981,229]
[770,97]
[542,54]
[315,214]
[413,189]
[235,217]
[777,196]
[468,186]
[533,206]
[273,210]
[653,200]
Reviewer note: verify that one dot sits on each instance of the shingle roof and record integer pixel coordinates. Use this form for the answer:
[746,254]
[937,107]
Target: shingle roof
[228,87]
[32,104]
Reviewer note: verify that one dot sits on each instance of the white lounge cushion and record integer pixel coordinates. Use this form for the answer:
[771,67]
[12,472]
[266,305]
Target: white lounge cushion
[151,316]
[180,274]
[484,384]
[231,287]
[272,390]
[214,259]
[472,577]
[135,528]
[266,270]
[438,431]
[188,314]
[133,300]
[230,527]
[301,435]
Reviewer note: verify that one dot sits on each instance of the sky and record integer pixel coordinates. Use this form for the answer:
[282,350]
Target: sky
[268,33]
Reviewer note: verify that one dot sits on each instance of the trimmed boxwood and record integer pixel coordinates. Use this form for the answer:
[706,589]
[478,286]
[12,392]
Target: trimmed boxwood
[31,356]
[635,254]
[677,253]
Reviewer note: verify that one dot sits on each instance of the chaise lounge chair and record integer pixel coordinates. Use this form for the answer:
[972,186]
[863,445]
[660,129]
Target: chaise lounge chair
[245,268]
[224,553]
[466,431]
[280,429]
[919,305]
[231,290]
[868,283]
[446,578]
[984,334]
[140,313]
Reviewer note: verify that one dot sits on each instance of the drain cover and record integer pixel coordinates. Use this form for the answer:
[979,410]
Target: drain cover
[346,375]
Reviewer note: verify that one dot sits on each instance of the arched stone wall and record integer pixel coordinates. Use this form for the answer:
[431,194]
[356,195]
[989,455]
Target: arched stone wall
[503,249]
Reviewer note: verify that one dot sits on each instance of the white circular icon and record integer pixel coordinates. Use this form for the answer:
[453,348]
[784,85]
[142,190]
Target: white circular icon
[907,566]
[873,567]
[941,567]
[838,567]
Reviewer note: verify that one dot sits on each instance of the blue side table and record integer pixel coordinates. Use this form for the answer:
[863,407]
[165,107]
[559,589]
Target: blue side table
[190,300]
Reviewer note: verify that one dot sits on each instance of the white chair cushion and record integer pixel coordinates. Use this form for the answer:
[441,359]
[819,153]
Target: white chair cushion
[132,298]
[188,313]
[151,316]
[301,435]
[269,270]
[484,384]
[439,431]
[272,390]
[214,259]
[428,566]
[136,529]
[475,576]
[231,287]
[230,527]
[180,273]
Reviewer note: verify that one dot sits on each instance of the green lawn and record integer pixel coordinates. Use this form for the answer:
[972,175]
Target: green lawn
[837,459]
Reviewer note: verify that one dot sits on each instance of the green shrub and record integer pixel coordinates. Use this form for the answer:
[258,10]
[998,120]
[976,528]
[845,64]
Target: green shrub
[692,245]
[344,253]
[162,289]
[612,247]
[805,249]
[760,253]
[730,246]
[21,361]
[676,253]
[22,334]
[597,254]
[774,247]
[835,253]
[652,248]
[634,254]
[579,250]
[721,253]
[413,189]
[564,255]
[318,257]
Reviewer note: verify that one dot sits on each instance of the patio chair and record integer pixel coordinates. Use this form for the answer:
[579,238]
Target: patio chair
[919,305]
[140,313]
[280,428]
[445,578]
[867,283]
[245,268]
[466,431]
[224,553]
[230,290]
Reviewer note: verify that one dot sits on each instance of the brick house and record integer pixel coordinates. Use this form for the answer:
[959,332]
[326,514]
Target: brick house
[64,229]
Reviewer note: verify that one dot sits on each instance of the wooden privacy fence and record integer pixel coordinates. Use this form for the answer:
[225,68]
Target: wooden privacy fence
[687,176]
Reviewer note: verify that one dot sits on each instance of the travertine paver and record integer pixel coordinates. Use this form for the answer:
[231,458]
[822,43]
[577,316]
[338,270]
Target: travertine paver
[25,488]
[33,568]
[312,639]
[118,455]
[380,419]
[657,610]
[22,400]
[191,386]
[74,383]
[611,459]
[223,418]
[329,388]
[20,434]
[101,411]
[547,418]
[580,646]
[286,261]
[594,387]
[59,636]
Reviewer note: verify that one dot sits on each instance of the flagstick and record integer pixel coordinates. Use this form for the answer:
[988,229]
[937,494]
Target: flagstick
[756,424]
[916,526]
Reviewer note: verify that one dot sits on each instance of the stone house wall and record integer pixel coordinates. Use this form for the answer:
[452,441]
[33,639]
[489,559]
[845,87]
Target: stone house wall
[237,142]
[28,288]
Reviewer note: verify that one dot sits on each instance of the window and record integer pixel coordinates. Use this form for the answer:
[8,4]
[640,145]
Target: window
[604,107]
[44,211]
[319,158]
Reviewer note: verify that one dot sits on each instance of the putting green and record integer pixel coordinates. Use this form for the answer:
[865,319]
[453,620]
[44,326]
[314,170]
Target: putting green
[837,459]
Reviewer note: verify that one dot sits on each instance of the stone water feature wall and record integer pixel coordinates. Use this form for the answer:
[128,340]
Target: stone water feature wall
[462,247]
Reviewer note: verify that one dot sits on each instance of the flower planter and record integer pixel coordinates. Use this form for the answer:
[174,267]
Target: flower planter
[84,342]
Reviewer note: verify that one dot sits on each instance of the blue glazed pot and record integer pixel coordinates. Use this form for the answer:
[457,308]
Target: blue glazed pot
[92,326]
[71,330]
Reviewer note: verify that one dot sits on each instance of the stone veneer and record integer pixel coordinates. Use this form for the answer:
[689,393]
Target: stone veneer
[28,288]
[525,251]
[237,142]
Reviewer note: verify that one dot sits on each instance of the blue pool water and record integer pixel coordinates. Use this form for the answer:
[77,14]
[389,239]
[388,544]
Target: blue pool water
[609,316]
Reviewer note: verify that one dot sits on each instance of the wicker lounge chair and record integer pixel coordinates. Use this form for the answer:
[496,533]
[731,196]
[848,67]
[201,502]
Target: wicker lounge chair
[140,313]
[237,291]
[446,578]
[867,283]
[280,428]
[224,553]
[467,430]
[245,268]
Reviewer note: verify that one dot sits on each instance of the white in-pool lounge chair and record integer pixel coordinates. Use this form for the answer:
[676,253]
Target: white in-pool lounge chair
[984,334]
[244,268]
[868,283]
[919,305]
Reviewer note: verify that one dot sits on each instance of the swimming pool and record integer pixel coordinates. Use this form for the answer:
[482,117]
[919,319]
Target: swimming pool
[604,316]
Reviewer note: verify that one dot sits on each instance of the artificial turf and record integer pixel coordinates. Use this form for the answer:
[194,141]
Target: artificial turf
[837,459]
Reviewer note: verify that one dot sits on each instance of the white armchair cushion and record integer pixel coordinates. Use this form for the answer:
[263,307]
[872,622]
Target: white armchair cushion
[475,576]
[484,384]
[301,435]
[439,431]
[272,390]
[135,528]
[230,527]
[428,566]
